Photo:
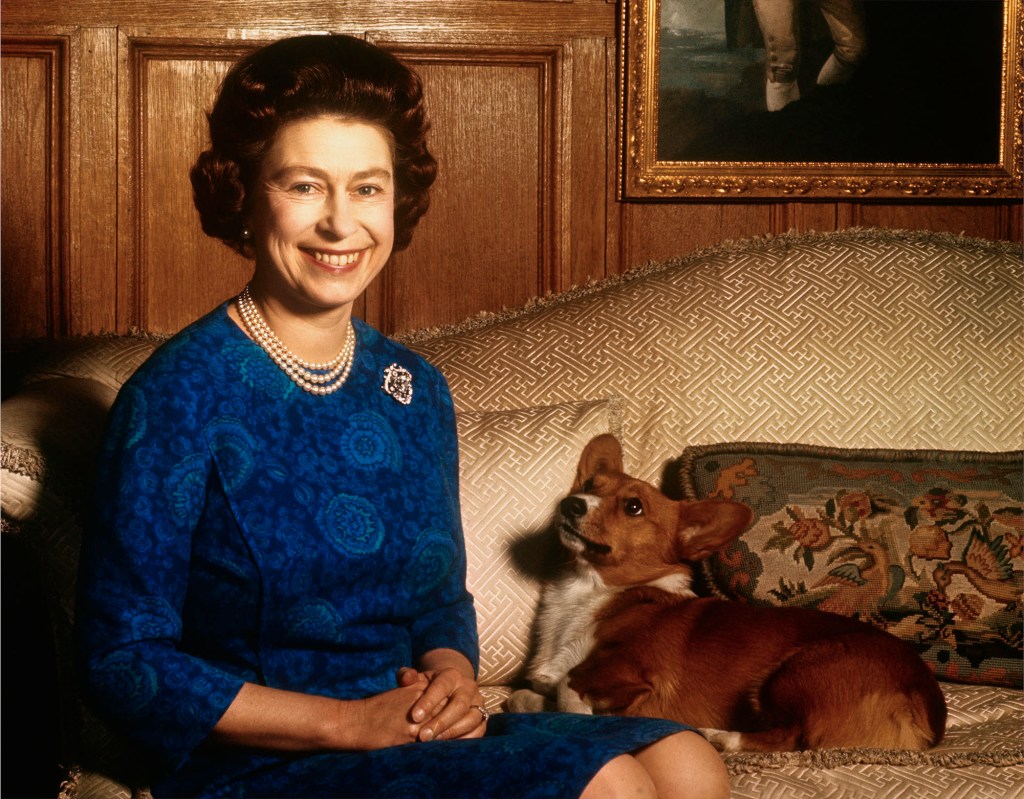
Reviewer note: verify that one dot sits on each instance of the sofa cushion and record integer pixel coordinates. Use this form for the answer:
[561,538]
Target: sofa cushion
[515,466]
[925,544]
[109,360]
[863,338]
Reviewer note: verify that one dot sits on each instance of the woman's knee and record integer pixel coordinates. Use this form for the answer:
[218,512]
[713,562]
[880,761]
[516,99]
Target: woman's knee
[685,765]
[620,778]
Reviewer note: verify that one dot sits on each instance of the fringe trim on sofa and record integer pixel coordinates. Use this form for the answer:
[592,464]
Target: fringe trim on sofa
[746,762]
[729,246]
[22,461]
[69,787]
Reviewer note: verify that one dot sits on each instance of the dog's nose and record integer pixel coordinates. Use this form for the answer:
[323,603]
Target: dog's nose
[573,507]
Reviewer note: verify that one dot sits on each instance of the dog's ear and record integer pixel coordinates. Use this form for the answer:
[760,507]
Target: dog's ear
[708,525]
[602,454]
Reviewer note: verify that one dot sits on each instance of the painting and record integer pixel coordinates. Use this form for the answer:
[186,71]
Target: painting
[820,99]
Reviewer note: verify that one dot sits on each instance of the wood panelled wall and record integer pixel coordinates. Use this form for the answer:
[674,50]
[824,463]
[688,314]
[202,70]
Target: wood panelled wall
[103,107]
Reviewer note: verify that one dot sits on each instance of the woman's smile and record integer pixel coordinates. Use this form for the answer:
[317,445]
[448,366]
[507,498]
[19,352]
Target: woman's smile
[334,260]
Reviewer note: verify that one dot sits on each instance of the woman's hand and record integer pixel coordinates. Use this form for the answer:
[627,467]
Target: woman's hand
[450,705]
[385,719]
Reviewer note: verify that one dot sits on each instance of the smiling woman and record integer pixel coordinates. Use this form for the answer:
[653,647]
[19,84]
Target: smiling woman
[272,597]
[321,216]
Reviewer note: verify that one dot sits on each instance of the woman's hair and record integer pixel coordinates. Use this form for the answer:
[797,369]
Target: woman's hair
[298,78]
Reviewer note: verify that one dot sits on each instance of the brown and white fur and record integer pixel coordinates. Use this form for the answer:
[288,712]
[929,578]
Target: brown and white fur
[622,632]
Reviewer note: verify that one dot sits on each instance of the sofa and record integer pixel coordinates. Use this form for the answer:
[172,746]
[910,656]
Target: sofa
[861,390]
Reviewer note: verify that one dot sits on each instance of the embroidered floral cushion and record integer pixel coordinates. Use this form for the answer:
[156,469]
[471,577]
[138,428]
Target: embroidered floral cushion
[924,544]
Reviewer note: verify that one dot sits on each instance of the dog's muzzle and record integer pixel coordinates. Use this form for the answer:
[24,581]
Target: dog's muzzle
[572,510]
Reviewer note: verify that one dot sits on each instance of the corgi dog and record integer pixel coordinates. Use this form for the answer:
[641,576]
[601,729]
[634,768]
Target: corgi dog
[622,632]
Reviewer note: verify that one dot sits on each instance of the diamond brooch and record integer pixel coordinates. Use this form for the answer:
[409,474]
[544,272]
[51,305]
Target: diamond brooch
[398,383]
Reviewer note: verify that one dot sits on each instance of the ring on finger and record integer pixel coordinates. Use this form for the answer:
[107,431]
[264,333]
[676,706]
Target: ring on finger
[483,711]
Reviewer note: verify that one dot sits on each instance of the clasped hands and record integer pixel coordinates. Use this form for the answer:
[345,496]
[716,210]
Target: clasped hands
[448,705]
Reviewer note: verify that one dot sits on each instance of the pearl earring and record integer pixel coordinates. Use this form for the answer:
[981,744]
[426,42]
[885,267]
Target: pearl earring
[246,234]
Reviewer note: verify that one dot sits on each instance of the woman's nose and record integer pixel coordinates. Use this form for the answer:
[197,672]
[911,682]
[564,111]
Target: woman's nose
[339,220]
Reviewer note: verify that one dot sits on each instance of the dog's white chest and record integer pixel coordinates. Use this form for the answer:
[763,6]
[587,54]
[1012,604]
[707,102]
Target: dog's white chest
[565,631]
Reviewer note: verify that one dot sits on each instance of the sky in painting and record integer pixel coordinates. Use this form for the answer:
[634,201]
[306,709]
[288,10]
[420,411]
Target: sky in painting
[693,52]
[704,16]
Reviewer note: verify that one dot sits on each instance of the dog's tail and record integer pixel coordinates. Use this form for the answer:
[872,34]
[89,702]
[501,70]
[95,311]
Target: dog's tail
[894,721]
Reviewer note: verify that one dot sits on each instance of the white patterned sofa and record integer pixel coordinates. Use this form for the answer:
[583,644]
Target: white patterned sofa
[882,342]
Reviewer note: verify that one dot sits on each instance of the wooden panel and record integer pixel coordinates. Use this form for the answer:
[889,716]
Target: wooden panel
[411,17]
[803,217]
[173,272]
[656,231]
[33,229]
[490,238]
[92,176]
[1010,221]
[986,220]
[590,198]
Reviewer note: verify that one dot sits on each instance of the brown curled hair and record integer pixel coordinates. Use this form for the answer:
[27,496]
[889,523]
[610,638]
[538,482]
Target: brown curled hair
[298,78]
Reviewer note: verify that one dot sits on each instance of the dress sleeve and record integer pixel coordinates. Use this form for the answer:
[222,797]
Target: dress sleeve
[134,572]
[451,622]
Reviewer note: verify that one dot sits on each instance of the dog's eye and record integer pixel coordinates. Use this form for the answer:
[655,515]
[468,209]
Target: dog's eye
[633,507]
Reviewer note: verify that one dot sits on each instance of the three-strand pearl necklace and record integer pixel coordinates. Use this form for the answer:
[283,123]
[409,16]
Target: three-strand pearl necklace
[316,378]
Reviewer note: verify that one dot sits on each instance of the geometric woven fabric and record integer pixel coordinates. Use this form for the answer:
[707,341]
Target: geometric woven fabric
[862,338]
[860,781]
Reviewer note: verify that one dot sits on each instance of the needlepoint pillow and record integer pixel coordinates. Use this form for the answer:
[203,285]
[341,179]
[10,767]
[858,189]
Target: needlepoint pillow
[514,467]
[925,544]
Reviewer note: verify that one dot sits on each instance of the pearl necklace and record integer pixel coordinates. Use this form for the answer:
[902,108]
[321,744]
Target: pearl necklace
[316,378]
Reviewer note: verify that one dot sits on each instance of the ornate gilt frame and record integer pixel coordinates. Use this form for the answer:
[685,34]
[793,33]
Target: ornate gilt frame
[642,176]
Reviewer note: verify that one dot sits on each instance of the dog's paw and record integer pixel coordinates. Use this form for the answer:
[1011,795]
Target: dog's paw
[723,740]
[526,701]
[577,706]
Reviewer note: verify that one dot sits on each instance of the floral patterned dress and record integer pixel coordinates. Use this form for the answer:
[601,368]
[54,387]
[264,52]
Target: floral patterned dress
[246,530]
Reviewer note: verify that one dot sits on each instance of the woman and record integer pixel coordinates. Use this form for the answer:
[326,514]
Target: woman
[273,598]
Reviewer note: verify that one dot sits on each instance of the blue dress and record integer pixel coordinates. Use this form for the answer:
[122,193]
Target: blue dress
[246,530]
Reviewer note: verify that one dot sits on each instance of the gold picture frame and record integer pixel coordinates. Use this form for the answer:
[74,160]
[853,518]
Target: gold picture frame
[980,159]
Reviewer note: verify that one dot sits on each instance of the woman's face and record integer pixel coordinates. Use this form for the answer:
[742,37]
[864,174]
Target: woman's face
[322,214]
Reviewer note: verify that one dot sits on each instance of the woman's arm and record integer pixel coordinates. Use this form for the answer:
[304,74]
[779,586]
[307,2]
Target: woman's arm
[134,572]
[271,718]
[440,702]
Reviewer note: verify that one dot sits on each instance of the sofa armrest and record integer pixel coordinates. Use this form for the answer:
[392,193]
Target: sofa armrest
[51,432]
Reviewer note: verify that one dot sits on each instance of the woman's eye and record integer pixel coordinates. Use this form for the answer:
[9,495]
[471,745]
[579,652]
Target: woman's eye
[633,507]
[304,188]
[368,191]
